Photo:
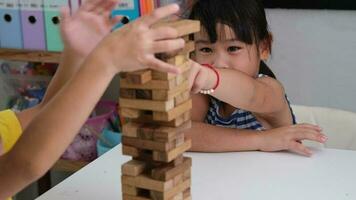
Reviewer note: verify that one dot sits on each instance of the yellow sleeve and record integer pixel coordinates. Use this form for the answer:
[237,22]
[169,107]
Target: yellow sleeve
[10,129]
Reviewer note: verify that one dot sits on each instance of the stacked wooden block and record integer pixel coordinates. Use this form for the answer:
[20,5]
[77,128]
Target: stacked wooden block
[158,105]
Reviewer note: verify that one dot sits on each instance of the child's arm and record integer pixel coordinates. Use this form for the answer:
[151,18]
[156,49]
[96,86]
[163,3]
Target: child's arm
[81,32]
[262,95]
[210,138]
[52,130]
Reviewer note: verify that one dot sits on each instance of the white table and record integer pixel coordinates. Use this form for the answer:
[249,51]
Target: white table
[328,175]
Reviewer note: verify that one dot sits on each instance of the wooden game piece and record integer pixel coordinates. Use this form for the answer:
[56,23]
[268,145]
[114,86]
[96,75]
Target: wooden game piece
[146,104]
[171,155]
[173,113]
[151,85]
[129,190]
[130,151]
[169,172]
[139,77]
[157,75]
[174,123]
[132,197]
[143,94]
[181,98]
[145,182]
[128,93]
[167,195]
[164,95]
[130,113]
[148,144]
[133,168]
[183,27]
[159,133]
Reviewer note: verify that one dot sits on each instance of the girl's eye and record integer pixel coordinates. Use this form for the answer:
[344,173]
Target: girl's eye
[233,49]
[206,50]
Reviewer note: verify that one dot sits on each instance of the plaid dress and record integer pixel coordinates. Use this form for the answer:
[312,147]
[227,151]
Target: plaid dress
[239,119]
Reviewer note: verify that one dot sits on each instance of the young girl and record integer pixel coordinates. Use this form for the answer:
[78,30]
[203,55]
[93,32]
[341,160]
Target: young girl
[53,128]
[247,108]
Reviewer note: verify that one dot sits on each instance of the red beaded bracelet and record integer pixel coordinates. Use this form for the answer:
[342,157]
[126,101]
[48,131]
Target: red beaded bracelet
[217,80]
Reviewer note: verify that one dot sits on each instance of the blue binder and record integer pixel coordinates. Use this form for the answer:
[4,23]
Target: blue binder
[128,8]
[10,24]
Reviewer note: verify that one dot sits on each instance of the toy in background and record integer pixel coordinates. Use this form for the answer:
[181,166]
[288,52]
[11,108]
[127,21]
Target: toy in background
[100,133]
[24,83]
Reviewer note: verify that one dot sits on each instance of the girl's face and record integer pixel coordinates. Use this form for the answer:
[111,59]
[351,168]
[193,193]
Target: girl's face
[227,52]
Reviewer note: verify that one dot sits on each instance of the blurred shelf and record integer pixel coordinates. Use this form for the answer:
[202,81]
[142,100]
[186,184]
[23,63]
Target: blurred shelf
[29,55]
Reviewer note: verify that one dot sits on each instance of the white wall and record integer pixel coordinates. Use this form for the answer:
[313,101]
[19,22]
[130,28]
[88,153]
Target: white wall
[314,55]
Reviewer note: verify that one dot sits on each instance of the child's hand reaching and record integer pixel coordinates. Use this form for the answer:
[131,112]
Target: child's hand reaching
[201,78]
[290,137]
[133,47]
[84,29]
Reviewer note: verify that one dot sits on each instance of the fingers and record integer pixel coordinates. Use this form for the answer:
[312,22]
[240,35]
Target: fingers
[309,132]
[163,33]
[300,149]
[115,20]
[65,13]
[167,45]
[194,70]
[162,66]
[159,14]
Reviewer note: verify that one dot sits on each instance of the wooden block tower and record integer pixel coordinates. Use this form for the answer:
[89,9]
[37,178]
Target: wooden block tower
[158,105]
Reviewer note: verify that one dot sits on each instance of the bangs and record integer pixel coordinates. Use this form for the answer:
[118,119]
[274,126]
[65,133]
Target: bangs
[213,12]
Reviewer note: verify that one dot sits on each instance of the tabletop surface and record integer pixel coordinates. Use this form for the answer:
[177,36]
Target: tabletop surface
[329,174]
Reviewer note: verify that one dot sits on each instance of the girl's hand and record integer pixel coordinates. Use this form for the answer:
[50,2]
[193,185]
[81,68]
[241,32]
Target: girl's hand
[84,29]
[289,137]
[133,47]
[201,78]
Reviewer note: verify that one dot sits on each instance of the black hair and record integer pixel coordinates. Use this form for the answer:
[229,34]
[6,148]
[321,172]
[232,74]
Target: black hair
[247,18]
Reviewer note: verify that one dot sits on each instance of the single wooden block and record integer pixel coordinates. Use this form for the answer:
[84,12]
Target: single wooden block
[128,93]
[130,151]
[184,27]
[165,95]
[154,132]
[132,197]
[181,98]
[173,113]
[170,171]
[177,60]
[172,154]
[174,123]
[187,195]
[133,168]
[145,182]
[146,104]
[148,144]
[143,94]
[187,174]
[171,193]
[130,113]
[139,77]
[158,75]
[151,85]
[130,190]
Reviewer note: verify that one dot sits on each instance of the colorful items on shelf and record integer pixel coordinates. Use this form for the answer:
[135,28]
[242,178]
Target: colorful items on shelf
[34,24]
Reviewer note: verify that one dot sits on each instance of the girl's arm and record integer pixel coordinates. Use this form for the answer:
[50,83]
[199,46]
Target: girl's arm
[52,130]
[210,138]
[261,95]
[77,29]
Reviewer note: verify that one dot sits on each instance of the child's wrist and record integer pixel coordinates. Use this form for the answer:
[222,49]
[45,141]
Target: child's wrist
[212,81]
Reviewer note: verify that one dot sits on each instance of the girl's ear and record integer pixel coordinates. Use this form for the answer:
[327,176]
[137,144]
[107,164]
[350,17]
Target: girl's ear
[265,47]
